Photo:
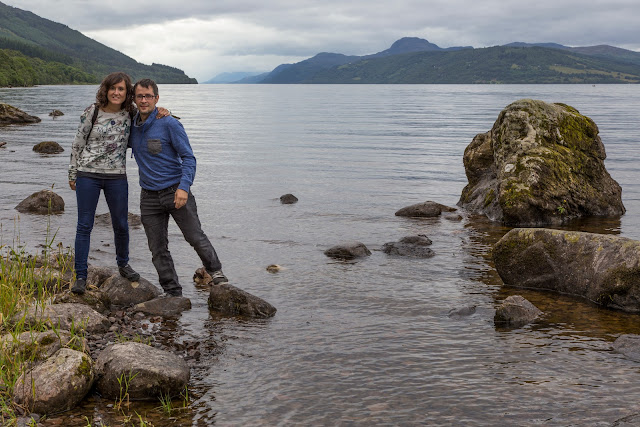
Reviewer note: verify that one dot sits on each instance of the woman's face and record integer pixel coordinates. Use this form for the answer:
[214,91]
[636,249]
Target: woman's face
[117,94]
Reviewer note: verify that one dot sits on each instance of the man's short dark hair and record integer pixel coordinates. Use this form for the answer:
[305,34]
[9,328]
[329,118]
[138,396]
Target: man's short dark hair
[146,83]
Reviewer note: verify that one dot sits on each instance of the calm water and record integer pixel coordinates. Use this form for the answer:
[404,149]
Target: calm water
[367,342]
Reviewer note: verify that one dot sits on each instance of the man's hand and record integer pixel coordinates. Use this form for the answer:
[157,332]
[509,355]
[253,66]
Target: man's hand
[72,185]
[180,199]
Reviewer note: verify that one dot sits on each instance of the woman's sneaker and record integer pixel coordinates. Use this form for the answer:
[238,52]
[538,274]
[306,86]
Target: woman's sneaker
[219,277]
[80,286]
[129,273]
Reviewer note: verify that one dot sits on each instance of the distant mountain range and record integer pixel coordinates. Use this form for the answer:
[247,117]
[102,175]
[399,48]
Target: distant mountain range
[415,60]
[34,50]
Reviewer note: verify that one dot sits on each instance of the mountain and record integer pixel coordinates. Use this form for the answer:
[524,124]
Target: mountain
[233,77]
[35,48]
[415,60]
[498,64]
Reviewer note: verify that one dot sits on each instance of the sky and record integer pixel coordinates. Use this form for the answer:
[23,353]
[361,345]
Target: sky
[208,37]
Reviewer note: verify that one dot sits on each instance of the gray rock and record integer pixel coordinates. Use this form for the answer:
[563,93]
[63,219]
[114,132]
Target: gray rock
[540,164]
[38,203]
[105,220]
[56,113]
[96,276]
[94,298]
[12,115]
[231,301]
[48,147]
[39,346]
[123,292]
[426,209]
[349,250]
[149,372]
[629,346]
[64,316]
[462,311]
[164,306]
[288,199]
[412,246]
[516,311]
[602,268]
[58,384]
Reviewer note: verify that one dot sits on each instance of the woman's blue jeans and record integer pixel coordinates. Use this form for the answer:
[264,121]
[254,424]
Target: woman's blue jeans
[116,193]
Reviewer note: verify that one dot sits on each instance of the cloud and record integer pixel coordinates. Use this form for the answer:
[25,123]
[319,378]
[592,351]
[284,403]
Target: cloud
[205,38]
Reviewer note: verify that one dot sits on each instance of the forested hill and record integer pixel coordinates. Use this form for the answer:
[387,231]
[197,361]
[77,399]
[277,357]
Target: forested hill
[34,50]
[498,64]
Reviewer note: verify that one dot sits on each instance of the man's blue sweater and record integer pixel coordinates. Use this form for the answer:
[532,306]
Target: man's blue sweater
[162,151]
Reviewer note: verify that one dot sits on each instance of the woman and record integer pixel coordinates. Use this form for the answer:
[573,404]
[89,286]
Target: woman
[98,162]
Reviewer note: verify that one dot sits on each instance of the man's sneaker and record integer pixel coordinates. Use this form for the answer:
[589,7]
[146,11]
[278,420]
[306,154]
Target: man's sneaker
[129,273]
[80,286]
[219,277]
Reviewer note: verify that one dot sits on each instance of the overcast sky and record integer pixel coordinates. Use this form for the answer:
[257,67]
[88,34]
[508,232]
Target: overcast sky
[208,37]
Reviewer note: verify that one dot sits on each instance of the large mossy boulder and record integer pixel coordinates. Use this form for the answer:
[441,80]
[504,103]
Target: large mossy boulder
[602,268]
[539,164]
[12,115]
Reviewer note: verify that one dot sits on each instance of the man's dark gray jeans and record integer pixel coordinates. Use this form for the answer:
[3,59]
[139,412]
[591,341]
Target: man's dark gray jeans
[155,209]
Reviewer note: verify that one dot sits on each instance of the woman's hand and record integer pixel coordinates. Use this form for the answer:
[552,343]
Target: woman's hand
[163,112]
[72,185]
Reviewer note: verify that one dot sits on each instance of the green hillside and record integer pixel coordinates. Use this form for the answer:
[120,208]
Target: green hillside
[35,50]
[488,65]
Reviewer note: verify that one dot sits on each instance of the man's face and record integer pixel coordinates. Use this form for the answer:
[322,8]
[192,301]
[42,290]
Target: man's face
[145,100]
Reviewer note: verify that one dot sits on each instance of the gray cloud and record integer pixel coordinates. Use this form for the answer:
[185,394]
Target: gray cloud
[205,38]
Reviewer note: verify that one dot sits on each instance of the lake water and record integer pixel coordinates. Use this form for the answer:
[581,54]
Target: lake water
[366,342]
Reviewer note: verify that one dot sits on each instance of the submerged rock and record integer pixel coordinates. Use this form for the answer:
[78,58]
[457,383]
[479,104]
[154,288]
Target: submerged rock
[349,250]
[412,246]
[12,115]
[48,147]
[105,219]
[539,164]
[42,202]
[629,346]
[516,311]
[288,199]
[164,306]
[56,113]
[602,268]
[231,301]
[426,209]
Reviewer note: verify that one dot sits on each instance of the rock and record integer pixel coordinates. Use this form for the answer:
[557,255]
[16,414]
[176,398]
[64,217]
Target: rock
[38,203]
[105,220]
[164,306]
[64,316]
[349,250]
[412,246]
[36,347]
[231,301]
[201,277]
[12,115]
[516,311]
[93,298]
[2,144]
[149,372]
[539,164]
[288,199]
[602,268]
[58,384]
[426,209]
[629,346]
[48,147]
[123,292]
[56,113]
[96,276]
[273,268]
[462,311]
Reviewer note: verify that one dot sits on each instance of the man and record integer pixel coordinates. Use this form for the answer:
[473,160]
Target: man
[167,167]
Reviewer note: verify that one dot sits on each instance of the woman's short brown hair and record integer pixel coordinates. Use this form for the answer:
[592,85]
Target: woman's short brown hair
[110,80]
